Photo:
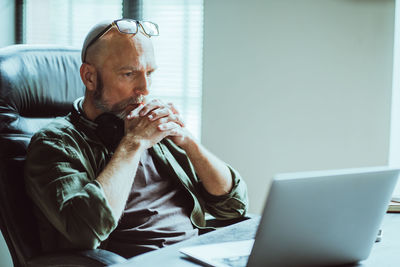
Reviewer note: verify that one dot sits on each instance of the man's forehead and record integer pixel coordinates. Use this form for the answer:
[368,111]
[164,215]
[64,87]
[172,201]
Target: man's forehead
[135,52]
[138,42]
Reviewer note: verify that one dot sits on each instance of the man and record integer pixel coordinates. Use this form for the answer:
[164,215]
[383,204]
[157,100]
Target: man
[142,185]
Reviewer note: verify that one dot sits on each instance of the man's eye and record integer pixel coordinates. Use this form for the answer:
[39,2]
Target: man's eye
[149,73]
[128,74]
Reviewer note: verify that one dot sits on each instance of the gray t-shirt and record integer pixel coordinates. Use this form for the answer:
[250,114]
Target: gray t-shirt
[157,213]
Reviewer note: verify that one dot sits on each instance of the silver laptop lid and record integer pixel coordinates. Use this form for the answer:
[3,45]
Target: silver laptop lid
[322,218]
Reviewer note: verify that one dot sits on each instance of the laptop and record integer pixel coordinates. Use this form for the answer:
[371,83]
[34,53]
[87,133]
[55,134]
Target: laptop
[318,218]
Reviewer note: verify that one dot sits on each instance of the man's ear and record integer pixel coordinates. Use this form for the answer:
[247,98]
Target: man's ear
[88,76]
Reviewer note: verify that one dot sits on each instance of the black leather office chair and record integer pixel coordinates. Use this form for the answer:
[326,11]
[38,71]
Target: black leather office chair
[37,83]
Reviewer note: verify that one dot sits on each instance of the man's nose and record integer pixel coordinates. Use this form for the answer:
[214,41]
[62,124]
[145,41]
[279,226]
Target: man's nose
[142,87]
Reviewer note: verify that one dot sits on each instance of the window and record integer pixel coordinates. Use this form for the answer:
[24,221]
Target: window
[179,55]
[65,22]
[178,49]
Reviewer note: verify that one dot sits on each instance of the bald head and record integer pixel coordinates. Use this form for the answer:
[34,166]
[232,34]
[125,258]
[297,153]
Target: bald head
[98,38]
[115,44]
[116,71]
[94,34]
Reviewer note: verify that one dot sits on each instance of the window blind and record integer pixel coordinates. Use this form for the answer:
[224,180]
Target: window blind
[178,49]
[178,52]
[65,22]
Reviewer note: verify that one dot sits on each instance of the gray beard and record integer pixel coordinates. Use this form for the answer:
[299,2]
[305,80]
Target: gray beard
[118,109]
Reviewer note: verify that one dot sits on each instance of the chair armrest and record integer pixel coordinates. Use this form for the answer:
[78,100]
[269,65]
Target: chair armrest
[89,258]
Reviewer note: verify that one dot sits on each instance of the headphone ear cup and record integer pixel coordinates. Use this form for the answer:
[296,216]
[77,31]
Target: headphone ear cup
[110,130]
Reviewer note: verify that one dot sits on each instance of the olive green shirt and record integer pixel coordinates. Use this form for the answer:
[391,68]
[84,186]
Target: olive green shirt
[62,164]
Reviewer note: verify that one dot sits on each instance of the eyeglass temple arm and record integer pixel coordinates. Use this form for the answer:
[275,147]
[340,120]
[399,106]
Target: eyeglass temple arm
[139,23]
[101,34]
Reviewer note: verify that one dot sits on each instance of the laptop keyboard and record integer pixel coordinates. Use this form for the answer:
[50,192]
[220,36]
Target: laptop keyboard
[239,261]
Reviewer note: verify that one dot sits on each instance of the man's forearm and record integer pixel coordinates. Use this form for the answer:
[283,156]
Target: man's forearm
[117,177]
[213,172]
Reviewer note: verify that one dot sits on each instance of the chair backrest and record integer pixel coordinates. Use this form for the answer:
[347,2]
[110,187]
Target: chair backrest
[37,83]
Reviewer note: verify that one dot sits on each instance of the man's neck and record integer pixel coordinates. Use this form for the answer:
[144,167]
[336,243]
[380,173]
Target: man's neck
[89,109]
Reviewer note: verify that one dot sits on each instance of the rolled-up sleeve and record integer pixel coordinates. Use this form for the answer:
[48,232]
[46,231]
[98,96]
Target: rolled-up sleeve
[231,205]
[60,181]
[228,206]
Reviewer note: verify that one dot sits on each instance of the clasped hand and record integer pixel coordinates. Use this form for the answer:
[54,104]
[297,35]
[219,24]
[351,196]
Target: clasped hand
[151,122]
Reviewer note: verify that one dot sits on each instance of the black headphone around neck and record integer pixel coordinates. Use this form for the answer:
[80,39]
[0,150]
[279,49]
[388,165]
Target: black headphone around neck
[107,126]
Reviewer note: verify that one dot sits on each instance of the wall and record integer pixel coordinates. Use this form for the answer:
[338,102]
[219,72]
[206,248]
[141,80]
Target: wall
[294,85]
[394,153]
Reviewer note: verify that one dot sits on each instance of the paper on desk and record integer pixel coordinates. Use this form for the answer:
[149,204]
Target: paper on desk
[207,253]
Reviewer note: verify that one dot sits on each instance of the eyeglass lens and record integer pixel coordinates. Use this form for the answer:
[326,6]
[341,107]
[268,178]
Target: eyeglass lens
[131,27]
[150,28]
[127,26]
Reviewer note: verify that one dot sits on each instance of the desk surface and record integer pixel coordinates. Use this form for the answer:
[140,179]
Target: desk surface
[385,253]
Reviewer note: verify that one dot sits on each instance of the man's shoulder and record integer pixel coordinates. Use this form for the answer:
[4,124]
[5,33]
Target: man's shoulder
[56,129]
[58,135]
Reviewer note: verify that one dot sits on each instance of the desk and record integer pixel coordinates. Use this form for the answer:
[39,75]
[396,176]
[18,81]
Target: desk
[385,253]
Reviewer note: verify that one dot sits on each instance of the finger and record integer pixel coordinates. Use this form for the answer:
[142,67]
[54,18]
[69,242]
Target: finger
[168,126]
[176,118]
[172,117]
[159,113]
[180,120]
[163,121]
[135,113]
[165,112]
[172,107]
[150,106]
[175,132]
[176,112]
